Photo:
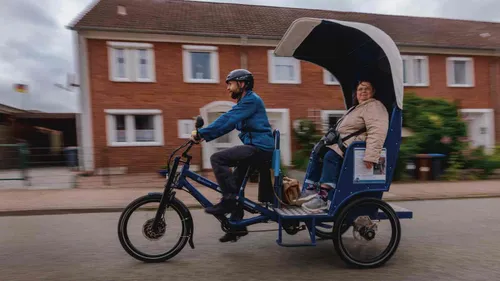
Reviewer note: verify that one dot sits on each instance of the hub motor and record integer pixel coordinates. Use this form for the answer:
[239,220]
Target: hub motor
[150,233]
[365,227]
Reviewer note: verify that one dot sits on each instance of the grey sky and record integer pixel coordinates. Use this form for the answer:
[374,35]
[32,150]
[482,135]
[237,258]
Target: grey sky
[37,49]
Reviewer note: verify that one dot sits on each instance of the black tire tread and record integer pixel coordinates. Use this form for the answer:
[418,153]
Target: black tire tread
[336,229]
[176,204]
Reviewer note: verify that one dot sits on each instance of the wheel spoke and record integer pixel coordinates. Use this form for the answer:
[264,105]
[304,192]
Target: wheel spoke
[144,243]
[366,245]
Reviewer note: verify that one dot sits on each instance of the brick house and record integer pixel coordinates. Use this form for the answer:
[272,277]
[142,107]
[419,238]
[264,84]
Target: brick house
[148,67]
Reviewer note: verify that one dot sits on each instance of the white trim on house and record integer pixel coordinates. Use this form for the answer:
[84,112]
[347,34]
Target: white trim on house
[326,113]
[130,131]
[133,111]
[469,72]
[409,62]
[186,63]
[326,78]
[131,54]
[134,45]
[86,139]
[488,122]
[295,63]
[285,135]
[181,125]
[477,110]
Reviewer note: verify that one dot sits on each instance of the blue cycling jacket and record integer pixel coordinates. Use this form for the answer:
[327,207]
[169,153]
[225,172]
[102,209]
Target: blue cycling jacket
[249,117]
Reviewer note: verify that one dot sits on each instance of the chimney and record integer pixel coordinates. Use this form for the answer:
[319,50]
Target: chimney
[121,10]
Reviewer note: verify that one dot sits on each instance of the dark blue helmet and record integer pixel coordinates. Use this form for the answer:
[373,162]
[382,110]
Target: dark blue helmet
[241,75]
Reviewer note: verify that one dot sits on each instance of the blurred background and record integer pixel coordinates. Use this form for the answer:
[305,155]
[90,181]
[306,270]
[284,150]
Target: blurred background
[92,91]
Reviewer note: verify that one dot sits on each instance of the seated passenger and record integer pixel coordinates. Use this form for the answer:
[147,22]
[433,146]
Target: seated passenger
[367,113]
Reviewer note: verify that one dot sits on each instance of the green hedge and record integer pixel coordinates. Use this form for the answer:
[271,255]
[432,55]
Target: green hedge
[437,128]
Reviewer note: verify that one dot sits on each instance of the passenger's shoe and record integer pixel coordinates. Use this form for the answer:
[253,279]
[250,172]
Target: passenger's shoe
[225,206]
[233,236]
[315,205]
[305,196]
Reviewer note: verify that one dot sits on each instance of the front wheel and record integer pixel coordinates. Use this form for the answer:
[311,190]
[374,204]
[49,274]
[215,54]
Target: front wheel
[135,223]
[367,215]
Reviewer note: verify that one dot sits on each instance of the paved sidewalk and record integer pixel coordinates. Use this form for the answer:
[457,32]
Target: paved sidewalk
[77,200]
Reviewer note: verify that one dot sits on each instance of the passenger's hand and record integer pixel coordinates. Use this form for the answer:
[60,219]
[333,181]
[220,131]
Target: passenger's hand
[368,164]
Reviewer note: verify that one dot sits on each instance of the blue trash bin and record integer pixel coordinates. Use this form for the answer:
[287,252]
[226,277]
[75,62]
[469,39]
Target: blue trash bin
[71,155]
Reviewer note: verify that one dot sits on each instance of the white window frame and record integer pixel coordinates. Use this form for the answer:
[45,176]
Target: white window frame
[180,128]
[411,68]
[130,126]
[326,78]
[469,72]
[214,63]
[132,67]
[271,70]
[326,113]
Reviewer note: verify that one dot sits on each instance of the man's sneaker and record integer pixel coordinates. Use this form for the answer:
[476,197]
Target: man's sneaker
[234,235]
[315,205]
[223,207]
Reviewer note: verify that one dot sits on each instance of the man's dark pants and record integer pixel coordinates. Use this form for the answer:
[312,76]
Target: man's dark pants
[241,157]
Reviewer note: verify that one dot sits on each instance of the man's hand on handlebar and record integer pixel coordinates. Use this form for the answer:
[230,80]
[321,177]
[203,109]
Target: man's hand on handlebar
[195,137]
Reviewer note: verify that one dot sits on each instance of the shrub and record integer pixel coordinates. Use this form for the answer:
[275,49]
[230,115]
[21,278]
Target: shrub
[307,136]
[437,127]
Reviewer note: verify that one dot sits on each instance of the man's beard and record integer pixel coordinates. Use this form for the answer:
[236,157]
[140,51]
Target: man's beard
[236,95]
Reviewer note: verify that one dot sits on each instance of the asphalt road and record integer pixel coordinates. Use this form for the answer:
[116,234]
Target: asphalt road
[447,240]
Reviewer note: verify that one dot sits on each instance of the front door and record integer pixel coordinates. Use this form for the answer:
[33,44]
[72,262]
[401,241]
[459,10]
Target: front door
[278,120]
[477,129]
[226,141]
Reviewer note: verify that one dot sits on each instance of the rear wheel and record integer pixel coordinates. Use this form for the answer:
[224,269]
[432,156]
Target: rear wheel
[175,226]
[367,215]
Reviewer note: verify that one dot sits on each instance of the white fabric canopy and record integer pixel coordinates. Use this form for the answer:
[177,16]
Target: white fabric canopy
[302,29]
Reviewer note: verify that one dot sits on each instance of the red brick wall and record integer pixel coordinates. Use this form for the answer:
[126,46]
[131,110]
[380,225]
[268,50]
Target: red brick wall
[475,97]
[179,100]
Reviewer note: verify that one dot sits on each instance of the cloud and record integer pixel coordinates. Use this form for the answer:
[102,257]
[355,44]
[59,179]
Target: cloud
[37,49]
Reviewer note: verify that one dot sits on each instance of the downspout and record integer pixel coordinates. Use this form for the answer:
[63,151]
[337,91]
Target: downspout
[243,52]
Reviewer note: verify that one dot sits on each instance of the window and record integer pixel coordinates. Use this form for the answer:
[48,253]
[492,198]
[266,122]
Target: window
[134,127]
[460,72]
[131,62]
[185,127]
[283,70]
[200,64]
[329,79]
[415,71]
[330,117]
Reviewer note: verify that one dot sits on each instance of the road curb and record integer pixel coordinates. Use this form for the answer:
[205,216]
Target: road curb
[195,206]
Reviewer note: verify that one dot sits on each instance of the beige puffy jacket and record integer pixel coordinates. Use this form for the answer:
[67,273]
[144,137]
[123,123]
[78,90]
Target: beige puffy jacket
[372,114]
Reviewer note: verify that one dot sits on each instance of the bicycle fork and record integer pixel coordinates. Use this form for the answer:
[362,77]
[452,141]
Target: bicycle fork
[167,197]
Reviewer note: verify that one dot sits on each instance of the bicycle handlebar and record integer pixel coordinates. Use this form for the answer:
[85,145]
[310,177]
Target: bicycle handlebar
[184,154]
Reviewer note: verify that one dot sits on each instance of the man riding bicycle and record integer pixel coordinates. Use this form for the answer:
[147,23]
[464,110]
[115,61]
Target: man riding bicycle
[248,116]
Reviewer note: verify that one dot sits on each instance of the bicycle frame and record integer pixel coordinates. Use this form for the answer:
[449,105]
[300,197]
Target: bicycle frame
[179,181]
